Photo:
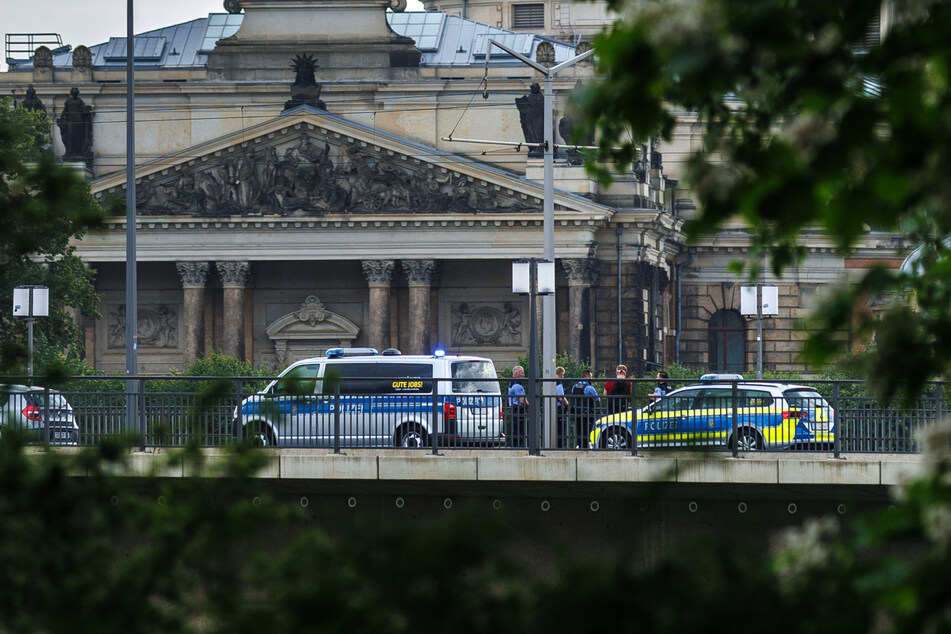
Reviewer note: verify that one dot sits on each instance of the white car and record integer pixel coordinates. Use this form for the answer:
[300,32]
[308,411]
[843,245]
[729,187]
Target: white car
[39,409]
[360,398]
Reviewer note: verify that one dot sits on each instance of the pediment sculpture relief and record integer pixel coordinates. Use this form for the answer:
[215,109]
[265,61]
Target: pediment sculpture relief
[310,176]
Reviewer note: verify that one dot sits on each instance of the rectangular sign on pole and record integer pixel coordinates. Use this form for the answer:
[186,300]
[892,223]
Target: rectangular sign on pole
[747,300]
[41,302]
[770,300]
[21,301]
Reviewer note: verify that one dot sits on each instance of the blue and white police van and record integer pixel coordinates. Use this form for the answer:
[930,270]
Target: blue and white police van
[356,397]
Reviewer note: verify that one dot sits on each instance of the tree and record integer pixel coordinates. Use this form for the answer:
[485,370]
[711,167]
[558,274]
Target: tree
[805,127]
[43,206]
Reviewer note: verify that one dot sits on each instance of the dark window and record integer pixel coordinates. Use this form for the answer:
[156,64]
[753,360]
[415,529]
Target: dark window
[403,378]
[727,342]
[355,378]
[528,16]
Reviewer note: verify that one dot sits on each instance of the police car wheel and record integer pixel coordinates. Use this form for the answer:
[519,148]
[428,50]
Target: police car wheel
[748,440]
[615,438]
[412,437]
[256,435]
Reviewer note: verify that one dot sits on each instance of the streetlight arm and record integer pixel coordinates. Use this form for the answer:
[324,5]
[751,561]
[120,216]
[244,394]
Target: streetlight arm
[535,65]
[571,62]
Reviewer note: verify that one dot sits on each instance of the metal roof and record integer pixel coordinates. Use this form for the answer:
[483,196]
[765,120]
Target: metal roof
[444,40]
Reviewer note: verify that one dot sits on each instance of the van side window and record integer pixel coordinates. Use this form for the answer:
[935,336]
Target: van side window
[404,378]
[355,378]
[299,380]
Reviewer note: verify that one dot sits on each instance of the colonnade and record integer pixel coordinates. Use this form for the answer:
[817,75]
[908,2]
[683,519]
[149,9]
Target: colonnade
[419,274]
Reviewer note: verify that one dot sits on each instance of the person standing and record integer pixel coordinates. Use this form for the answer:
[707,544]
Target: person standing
[619,391]
[561,407]
[518,403]
[662,388]
[584,403]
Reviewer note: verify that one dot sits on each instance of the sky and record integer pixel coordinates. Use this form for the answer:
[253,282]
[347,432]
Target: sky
[84,22]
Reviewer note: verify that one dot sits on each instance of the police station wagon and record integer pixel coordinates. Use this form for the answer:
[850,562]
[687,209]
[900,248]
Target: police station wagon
[363,399]
[768,416]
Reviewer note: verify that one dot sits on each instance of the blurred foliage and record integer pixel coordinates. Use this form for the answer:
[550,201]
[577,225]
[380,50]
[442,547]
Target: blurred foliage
[43,206]
[803,127]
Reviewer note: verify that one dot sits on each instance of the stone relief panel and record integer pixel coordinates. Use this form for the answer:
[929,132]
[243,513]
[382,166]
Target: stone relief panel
[485,324]
[158,326]
[314,173]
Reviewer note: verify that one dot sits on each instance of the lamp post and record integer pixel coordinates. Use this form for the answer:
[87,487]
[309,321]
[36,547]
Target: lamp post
[533,277]
[30,302]
[548,226]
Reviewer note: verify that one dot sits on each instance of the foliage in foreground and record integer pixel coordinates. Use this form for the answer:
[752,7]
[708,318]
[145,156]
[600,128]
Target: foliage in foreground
[43,206]
[803,128]
[112,552]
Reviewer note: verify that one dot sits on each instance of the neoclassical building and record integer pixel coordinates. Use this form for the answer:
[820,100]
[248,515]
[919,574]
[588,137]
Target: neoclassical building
[313,174]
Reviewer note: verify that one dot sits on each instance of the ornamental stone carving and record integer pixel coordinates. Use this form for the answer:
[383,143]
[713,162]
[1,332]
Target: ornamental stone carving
[311,175]
[82,58]
[419,272]
[581,272]
[43,58]
[545,54]
[233,274]
[312,311]
[378,272]
[486,324]
[157,328]
[192,274]
[305,91]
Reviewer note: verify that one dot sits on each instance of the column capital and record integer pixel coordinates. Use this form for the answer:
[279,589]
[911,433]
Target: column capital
[419,272]
[234,274]
[581,272]
[192,274]
[378,272]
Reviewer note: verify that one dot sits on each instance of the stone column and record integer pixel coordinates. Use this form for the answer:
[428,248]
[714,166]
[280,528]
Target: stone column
[379,274]
[234,279]
[193,276]
[581,275]
[419,275]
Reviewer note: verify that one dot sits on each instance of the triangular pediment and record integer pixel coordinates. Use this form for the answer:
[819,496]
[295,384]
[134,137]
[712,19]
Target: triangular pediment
[311,163]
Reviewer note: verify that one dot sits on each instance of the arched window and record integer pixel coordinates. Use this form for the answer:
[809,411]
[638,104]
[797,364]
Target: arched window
[727,342]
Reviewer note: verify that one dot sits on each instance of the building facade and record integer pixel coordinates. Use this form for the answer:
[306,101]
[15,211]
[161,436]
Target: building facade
[310,175]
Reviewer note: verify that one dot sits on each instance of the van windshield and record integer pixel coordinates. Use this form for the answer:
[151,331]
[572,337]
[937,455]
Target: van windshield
[474,377]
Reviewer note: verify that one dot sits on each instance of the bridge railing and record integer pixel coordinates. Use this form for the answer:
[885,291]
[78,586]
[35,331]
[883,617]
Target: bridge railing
[838,416]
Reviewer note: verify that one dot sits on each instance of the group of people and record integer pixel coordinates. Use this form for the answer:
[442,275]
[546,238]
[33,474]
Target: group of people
[581,406]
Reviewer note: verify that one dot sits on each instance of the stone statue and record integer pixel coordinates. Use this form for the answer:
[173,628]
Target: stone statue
[232,6]
[32,102]
[305,91]
[75,127]
[531,113]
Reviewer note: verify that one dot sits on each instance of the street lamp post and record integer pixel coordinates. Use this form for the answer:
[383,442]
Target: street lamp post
[533,277]
[548,226]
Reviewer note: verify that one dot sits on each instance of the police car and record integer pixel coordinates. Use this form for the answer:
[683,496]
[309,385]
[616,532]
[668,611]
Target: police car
[361,398]
[768,416]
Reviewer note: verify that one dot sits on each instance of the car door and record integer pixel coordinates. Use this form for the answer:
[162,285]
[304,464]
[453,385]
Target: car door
[357,386]
[296,405]
[712,421]
[662,422]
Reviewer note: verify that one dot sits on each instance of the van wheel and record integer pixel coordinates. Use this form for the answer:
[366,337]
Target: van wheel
[258,435]
[412,436]
[748,440]
[615,438]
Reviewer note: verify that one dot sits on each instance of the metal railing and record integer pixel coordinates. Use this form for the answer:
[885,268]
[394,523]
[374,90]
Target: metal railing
[834,416]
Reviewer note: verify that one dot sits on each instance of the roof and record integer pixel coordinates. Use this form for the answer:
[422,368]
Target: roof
[444,40]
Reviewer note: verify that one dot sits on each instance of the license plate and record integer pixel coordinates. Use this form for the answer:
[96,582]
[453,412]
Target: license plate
[62,435]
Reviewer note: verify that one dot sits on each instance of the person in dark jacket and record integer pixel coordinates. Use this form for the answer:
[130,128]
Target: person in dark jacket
[619,391]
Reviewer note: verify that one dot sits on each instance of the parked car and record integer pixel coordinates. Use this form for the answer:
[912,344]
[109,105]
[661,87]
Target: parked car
[367,399]
[768,416]
[39,409]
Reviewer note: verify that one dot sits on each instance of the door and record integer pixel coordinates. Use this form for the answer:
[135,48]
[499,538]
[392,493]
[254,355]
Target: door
[662,422]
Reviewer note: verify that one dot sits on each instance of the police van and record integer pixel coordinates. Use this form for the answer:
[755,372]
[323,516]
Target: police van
[356,397]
